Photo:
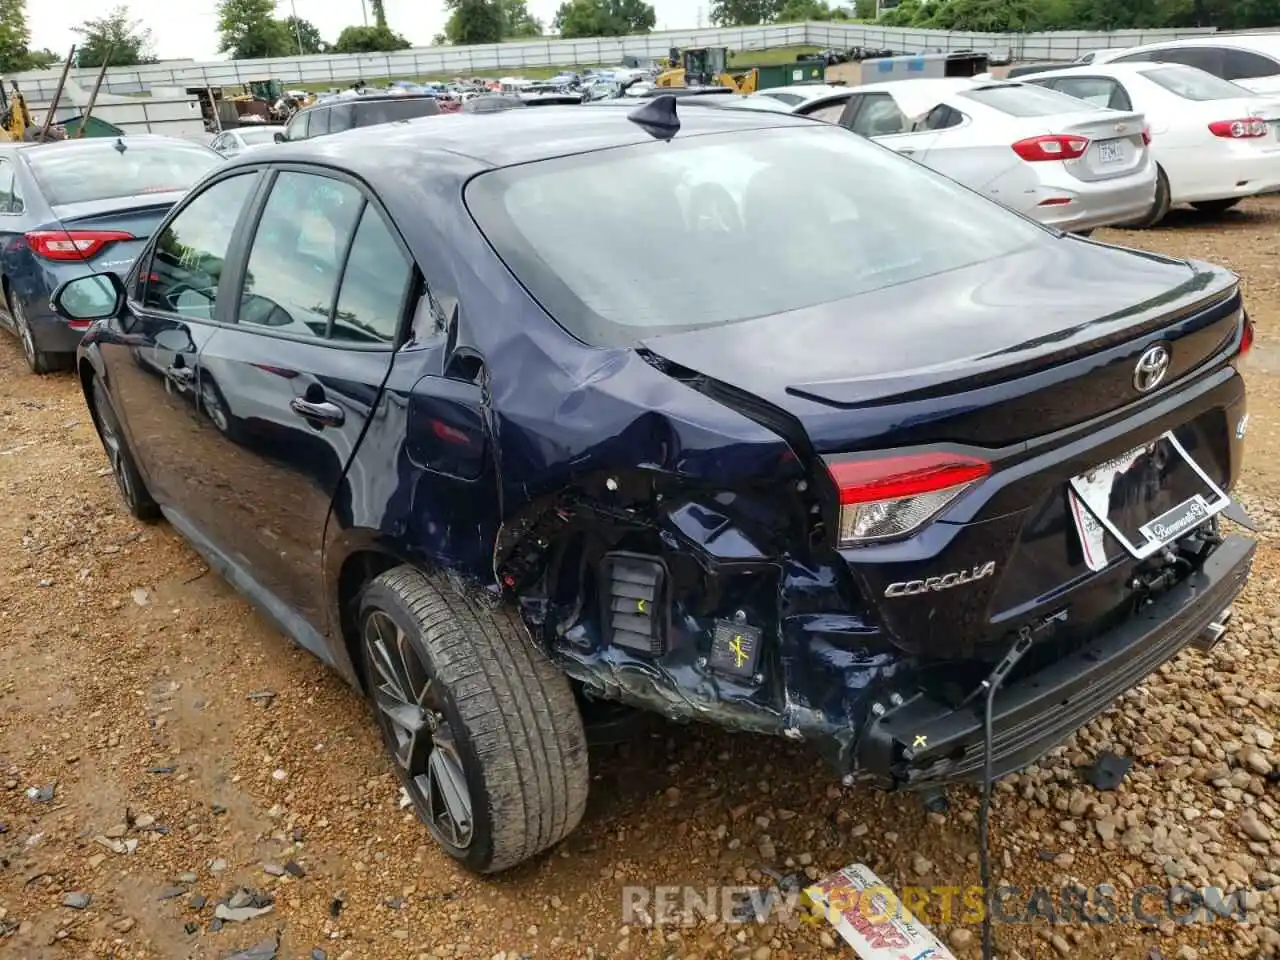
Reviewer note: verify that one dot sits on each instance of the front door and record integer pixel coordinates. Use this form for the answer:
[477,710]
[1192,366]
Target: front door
[178,294]
[291,385]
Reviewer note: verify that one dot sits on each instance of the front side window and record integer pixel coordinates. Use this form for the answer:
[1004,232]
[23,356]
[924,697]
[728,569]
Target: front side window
[1192,84]
[190,253]
[296,258]
[103,169]
[1209,59]
[372,112]
[879,116]
[319,123]
[297,129]
[827,205]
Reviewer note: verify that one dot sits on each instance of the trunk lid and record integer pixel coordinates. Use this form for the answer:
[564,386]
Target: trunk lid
[1116,147]
[138,216]
[992,354]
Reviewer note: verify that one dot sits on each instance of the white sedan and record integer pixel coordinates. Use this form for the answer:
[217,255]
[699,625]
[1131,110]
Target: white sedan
[1044,154]
[232,143]
[1214,142]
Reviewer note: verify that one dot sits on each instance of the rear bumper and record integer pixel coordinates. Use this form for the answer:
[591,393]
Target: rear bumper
[1099,205]
[924,742]
[51,333]
[1239,172]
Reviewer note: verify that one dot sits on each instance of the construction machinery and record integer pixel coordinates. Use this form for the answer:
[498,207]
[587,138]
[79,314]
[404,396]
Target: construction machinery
[15,117]
[706,67]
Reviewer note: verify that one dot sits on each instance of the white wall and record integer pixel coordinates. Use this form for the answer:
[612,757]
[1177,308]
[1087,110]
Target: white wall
[494,59]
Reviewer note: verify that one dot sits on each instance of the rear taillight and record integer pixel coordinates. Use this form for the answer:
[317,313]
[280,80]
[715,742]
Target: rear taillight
[1146,136]
[73,244]
[1246,337]
[892,496]
[1244,129]
[1051,147]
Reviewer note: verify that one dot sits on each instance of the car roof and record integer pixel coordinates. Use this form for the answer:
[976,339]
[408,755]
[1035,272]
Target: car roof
[513,136]
[1269,42]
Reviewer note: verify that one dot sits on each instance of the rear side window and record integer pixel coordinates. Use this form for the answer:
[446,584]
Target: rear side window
[6,187]
[1246,65]
[1191,84]
[1208,59]
[1023,100]
[191,252]
[826,205]
[941,117]
[790,99]
[374,284]
[78,171]
[371,113]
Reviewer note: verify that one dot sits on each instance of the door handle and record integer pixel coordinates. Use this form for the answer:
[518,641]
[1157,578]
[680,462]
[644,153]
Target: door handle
[329,414]
[906,153]
[180,374]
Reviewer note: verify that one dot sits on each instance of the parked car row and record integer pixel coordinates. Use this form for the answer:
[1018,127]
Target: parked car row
[453,405]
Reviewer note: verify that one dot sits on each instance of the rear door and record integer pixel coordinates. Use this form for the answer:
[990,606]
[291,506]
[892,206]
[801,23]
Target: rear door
[292,384]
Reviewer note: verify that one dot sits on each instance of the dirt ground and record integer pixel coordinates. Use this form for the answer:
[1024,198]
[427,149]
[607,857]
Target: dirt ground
[192,751]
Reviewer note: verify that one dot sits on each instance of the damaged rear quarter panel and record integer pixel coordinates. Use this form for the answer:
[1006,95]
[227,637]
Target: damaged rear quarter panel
[589,450]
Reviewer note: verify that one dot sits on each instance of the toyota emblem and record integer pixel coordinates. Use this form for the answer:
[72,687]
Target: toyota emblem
[1151,368]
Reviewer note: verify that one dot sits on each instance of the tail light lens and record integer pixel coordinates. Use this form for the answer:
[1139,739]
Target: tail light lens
[73,244]
[1051,147]
[1146,136]
[1244,129]
[1246,337]
[893,496]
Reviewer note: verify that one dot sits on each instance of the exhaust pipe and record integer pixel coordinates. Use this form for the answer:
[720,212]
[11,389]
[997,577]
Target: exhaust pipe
[1208,638]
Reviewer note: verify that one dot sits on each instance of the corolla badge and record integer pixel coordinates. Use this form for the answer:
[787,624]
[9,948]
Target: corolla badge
[909,588]
[1151,368]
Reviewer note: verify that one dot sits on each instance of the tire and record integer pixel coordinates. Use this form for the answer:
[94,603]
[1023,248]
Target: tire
[1159,206]
[500,720]
[1216,206]
[40,361]
[133,489]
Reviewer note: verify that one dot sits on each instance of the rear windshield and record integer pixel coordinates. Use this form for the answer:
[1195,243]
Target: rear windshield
[74,173]
[373,112]
[1193,84]
[632,242]
[1024,100]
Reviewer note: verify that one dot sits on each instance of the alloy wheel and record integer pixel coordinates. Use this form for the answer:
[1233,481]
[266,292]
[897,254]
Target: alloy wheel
[114,445]
[24,333]
[213,407]
[411,712]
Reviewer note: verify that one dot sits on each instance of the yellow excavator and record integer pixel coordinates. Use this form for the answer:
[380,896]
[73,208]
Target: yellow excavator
[706,67]
[14,115]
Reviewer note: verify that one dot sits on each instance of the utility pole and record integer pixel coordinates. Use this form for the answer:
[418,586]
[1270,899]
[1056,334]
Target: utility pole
[364,11]
[297,26]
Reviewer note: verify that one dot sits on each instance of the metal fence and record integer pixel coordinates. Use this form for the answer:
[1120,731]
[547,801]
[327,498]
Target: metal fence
[501,58]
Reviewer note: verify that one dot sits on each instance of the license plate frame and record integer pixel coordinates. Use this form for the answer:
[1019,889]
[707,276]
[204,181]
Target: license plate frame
[1091,493]
[1109,151]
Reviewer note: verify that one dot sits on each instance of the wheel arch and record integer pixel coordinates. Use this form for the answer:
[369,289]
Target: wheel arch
[358,568]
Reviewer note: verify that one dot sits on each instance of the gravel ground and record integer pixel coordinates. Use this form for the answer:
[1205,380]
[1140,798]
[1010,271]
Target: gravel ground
[176,780]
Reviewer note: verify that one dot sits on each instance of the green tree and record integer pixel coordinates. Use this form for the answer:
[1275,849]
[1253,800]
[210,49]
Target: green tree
[797,11]
[474,21]
[744,13]
[301,29]
[604,18]
[42,59]
[248,30]
[369,40]
[379,13]
[115,35]
[14,37]
[517,22]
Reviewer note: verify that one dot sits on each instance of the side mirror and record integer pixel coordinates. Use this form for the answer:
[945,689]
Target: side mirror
[95,297]
[280,137]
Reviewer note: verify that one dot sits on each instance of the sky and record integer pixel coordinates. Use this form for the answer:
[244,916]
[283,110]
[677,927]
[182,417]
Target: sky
[189,28]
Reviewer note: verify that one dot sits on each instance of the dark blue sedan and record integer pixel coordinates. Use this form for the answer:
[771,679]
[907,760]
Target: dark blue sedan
[74,207]
[503,419]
